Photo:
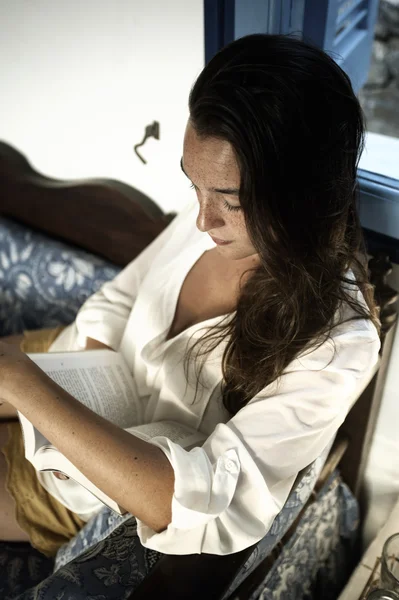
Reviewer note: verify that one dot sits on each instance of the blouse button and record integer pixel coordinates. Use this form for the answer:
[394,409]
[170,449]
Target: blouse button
[230,466]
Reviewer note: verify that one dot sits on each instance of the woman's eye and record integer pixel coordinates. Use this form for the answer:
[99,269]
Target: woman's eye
[226,204]
[230,207]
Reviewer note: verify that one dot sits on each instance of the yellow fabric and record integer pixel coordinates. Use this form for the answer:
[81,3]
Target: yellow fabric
[39,340]
[48,523]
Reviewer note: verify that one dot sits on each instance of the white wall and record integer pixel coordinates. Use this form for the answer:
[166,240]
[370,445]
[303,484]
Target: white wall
[80,80]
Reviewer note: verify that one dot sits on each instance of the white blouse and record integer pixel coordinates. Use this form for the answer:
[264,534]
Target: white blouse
[228,491]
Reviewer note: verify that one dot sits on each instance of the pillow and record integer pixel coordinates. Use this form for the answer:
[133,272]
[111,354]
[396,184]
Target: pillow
[43,282]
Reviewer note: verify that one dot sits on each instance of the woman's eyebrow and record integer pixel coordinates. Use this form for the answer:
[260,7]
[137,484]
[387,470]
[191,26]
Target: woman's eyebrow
[228,191]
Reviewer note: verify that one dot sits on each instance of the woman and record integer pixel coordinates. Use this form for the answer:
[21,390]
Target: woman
[269,261]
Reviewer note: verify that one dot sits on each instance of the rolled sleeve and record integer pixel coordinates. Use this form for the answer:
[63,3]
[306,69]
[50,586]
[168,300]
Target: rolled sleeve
[211,487]
[228,492]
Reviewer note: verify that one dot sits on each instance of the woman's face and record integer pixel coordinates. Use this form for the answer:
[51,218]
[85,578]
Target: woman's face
[212,168]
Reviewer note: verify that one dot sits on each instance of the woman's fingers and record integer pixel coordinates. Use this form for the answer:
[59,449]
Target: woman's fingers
[60,475]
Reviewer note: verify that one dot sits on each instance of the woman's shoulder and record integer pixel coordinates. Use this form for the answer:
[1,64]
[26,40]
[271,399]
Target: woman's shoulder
[353,341]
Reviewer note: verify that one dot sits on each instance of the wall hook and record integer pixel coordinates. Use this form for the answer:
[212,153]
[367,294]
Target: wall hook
[150,131]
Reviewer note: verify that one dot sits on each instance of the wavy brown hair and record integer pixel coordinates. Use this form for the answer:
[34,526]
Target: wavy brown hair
[297,129]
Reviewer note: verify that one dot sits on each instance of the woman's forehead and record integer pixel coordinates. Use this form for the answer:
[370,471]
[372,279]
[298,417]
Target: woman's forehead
[209,157]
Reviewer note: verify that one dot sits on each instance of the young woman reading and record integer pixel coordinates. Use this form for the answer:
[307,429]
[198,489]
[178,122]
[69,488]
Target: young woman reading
[250,318]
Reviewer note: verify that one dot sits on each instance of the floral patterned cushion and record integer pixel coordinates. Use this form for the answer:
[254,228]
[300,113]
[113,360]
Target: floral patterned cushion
[43,282]
[319,558]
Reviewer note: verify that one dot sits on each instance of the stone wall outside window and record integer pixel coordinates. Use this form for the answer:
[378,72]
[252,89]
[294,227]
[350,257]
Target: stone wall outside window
[379,97]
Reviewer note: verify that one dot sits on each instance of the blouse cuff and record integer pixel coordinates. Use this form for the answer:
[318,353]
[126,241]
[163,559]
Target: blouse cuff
[202,490]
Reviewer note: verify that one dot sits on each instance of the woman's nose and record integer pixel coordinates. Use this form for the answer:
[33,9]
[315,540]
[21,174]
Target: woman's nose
[208,217]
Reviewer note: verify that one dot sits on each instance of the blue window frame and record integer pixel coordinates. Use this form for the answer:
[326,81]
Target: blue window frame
[227,20]
[344,28]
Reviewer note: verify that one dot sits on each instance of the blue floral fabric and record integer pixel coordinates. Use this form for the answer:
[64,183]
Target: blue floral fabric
[43,282]
[319,558]
[111,569]
[291,509]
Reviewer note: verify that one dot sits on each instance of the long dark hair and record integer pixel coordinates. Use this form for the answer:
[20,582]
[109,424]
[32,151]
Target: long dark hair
[297,129]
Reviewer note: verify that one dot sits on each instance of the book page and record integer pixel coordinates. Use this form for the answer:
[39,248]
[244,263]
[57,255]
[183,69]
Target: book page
[33,439]
[100,379]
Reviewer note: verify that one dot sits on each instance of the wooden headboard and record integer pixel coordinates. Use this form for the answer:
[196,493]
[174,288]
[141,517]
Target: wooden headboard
[117,222]
[104,216]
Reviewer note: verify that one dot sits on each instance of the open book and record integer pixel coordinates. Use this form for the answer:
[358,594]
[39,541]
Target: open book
[101,380]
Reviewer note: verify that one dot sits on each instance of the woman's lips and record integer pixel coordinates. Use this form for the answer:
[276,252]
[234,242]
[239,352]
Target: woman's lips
[220,242]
